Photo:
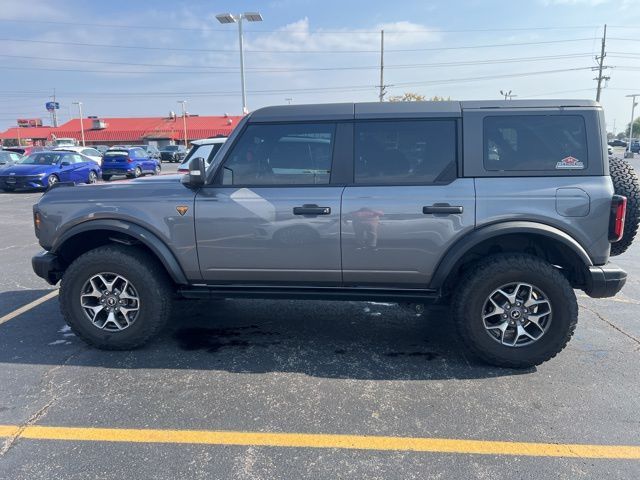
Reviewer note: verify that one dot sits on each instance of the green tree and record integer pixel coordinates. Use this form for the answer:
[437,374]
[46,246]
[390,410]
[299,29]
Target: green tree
[416,97]
[636,129]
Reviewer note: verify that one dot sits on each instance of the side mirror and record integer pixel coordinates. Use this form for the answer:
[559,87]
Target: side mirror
[197,172]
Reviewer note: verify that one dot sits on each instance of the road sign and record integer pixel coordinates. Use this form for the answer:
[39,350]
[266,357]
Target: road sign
[51,106]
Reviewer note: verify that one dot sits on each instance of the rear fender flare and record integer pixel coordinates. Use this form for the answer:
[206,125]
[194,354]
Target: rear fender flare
[462,246]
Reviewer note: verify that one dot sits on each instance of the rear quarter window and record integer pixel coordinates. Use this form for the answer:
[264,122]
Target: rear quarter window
[535,143]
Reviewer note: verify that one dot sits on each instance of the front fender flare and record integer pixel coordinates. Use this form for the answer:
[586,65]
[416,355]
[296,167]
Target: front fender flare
[140,234]
[462,246]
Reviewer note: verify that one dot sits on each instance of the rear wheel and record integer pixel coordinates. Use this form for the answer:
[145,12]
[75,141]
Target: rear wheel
[515,310]
[115,297]
[625,182]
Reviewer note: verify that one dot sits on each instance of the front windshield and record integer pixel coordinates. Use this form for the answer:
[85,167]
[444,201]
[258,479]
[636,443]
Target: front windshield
[48,158]
[171,147]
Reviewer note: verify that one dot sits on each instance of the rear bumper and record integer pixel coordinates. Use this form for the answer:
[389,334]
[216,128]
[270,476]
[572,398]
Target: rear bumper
[47,265]
[605,281]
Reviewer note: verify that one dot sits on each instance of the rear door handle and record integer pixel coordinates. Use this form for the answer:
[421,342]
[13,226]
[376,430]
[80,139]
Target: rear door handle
[311,210]
[442,209]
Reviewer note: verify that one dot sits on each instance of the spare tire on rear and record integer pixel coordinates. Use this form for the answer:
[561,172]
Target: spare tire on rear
[625,182]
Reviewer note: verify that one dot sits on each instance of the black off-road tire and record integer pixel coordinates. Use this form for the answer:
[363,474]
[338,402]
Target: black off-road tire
[486,276]
[625,182]
[152,284]
[106,178]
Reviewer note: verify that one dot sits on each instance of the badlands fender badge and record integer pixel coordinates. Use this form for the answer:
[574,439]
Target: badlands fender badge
[182,209]
[569,163]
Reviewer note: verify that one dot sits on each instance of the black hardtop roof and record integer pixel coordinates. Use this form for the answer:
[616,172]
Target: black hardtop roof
[348,111]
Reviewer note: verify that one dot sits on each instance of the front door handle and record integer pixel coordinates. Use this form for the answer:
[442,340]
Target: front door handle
[442,209]
[311,210]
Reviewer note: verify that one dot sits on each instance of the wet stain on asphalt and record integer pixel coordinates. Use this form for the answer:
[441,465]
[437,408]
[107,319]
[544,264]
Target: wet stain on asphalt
[214,339]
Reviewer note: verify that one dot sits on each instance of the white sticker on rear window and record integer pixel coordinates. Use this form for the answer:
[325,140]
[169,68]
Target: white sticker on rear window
[569,163]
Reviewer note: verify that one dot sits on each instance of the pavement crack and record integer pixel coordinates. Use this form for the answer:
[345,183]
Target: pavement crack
[611,324]
[49,377]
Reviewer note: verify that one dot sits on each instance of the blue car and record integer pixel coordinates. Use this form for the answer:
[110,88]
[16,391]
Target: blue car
[41,170]
[131,162]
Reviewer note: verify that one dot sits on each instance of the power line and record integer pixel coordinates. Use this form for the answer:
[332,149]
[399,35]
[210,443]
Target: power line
[233,51]
[345,88]
[232,70]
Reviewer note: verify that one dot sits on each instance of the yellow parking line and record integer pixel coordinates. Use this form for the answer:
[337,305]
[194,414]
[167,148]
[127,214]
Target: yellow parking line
[28,306]
[307,440]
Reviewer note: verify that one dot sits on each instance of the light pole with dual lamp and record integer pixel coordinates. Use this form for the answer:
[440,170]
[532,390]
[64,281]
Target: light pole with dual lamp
[238,18]
[629,153]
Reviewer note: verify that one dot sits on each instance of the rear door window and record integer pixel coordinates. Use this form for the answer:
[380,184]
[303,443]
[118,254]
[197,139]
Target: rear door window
[405,152]
[535,143]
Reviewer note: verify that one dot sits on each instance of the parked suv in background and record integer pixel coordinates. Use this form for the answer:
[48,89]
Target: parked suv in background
[206,148]
[635,146]
[500,208]
[151,150]
[173,153]
[130,162]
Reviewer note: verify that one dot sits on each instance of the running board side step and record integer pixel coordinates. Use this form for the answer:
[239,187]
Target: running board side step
[311,293]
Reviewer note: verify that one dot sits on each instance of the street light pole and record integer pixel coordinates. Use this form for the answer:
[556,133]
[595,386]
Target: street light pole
[81,122]
[633,107]
[184,120]
[238,18]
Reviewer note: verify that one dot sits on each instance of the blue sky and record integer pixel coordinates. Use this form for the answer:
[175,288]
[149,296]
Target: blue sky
[308,51]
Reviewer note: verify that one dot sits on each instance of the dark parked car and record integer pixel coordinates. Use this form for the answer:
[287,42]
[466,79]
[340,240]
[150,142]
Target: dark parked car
[24,150]
[130,162]
[8,157]
[173,153]
[635,146]
[618,143]
[44,169]
[152,150]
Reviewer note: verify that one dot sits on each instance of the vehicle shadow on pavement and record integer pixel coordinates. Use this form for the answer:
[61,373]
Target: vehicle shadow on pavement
[10,301]
[350,340]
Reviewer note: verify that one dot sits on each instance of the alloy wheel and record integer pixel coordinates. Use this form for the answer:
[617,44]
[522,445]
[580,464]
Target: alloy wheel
[110,301]
[516,314]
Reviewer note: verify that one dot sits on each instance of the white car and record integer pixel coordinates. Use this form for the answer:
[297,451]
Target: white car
[90,152]
[205,148]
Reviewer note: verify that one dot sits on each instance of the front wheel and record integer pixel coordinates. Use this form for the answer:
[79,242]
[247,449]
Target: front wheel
[514,310]
[52,180]
[157,170]
[115,297]
[93,177]
[106,178]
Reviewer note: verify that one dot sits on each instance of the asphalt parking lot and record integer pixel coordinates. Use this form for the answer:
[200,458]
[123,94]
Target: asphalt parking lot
[290,389]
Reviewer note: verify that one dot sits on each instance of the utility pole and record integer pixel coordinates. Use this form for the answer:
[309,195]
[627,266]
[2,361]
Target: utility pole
[382,85]
[600,60]
[54,112]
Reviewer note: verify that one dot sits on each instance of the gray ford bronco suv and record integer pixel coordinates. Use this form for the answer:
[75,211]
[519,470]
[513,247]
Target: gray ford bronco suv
[500,208]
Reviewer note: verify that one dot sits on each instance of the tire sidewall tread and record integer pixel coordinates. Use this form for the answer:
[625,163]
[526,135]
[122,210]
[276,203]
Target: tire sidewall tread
[144,272]
[480,280]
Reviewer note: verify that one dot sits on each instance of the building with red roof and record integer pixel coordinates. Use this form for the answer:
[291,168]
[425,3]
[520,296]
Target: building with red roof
[138,130]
